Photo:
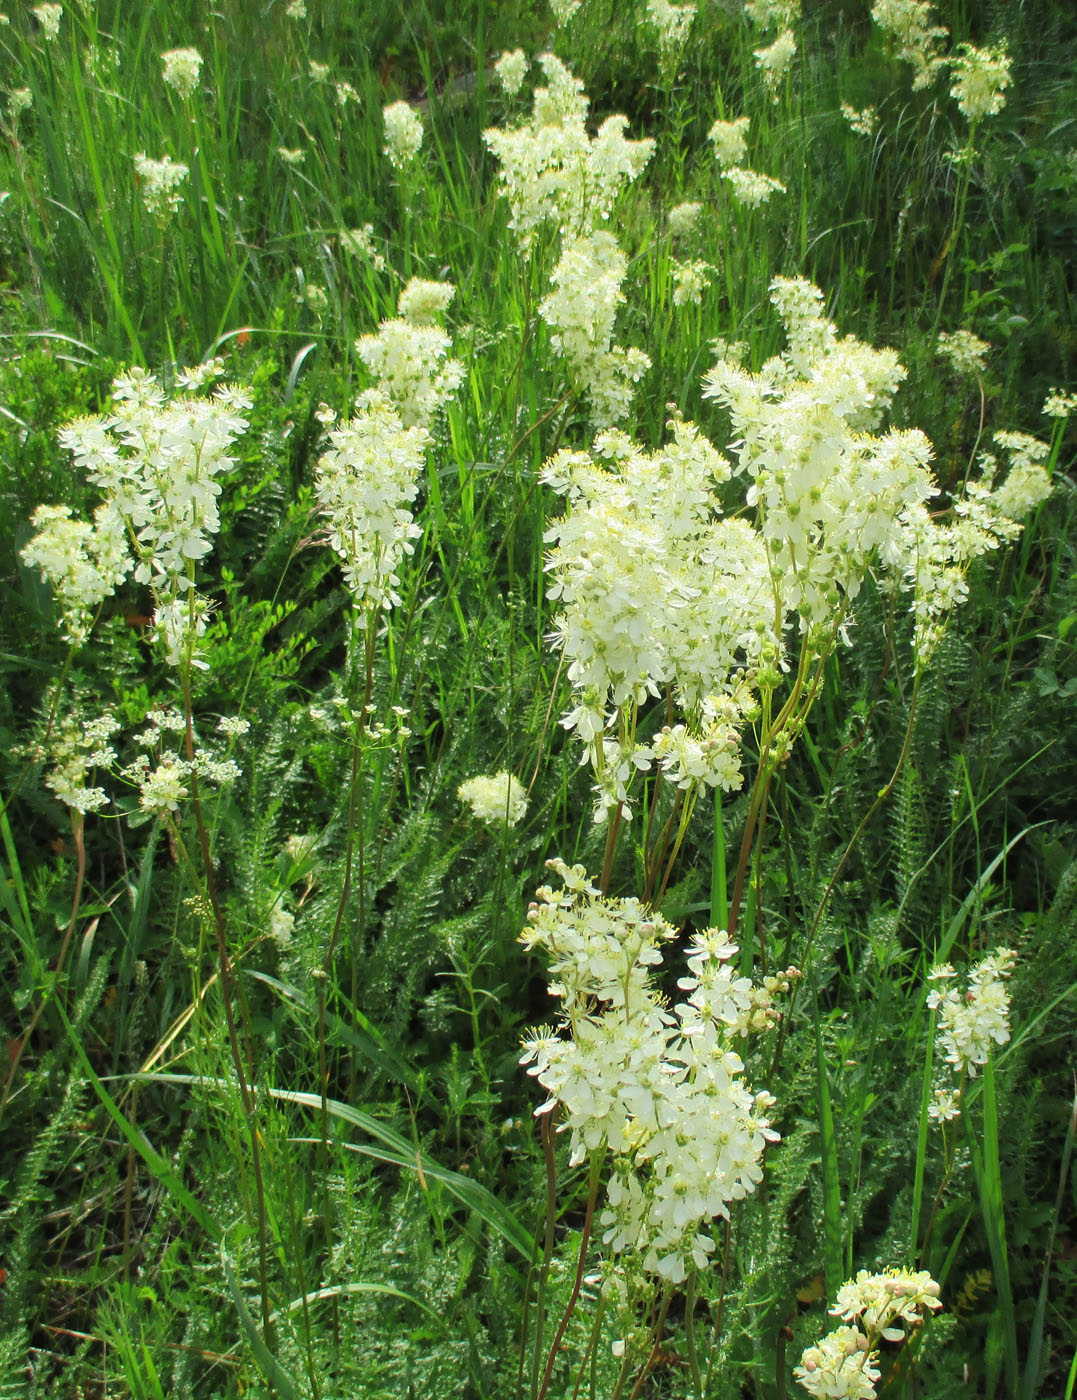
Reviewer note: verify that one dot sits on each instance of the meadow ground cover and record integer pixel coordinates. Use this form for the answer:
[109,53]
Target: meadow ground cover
[537,840]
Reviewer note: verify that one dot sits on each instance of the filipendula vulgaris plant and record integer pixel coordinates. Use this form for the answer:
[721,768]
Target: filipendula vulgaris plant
[558,177]
[678,626]
[158,458]
[659,1092]
[366,483]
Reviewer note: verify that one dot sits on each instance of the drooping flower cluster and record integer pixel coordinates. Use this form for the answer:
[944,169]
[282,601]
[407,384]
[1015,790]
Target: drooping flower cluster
[84,563]
[422,302]
[827,493]
[730,140]
[655,591]
[843,1363]
[663,1090]
[553,172]
[830,494]
[181,70]
[160,181]
[157,460]
[772,14]
[497,800]
[365,484]
[162,772]
[908,26]
[403,134]
[964,352]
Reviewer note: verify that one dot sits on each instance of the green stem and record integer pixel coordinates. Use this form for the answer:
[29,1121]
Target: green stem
[581,1266]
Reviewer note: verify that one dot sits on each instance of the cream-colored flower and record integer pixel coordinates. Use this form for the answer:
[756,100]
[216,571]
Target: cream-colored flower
[181,70]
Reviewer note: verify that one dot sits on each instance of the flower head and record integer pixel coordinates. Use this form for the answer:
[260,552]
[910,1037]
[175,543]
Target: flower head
[981,76]
[49,17]
[181,70]
[403,134]
[160,182]
[496,800]
[511,69]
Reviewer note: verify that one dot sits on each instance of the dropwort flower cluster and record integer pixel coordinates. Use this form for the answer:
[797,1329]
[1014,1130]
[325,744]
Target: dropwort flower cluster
[915,39]
[663,1091]
[497,800]
[553,172]
[830,495]
[981,76]
[49,17]
[409,356]
[656,590]
[365,484]
[581,311]
[970,1022]
[160,182]
[403,134]
[181,70]
[157,460]
[730,142]
[843,1363]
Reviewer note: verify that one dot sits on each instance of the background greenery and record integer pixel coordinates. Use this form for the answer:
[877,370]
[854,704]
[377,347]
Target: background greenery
[399,1258]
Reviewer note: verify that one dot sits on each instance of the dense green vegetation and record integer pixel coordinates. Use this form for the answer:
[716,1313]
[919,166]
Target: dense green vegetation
[264,1129]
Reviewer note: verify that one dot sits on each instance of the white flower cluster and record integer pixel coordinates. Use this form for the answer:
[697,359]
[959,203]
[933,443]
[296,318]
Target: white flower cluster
[160,181]
[683,219]
[689,280]
[49,17]
[410,362]
[422,302]
[773,61]
[563,10]
[937,555]
[842,1364]
[828,495]
[730,141]
[970,1022]
[553,172]
[981,76]
[1058,404]
[664,1091]
[157,461]
[751,187]
[84,563]
[772,14]
[908,26]
[862,122]
[497,800]
[365,485]
[76,748]
[672,23]
[511,69]
[655,590]
[581,311]
[181,70]
[964,352]
[403,134]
